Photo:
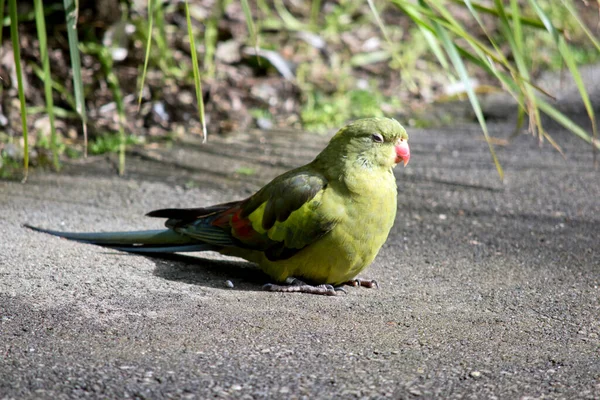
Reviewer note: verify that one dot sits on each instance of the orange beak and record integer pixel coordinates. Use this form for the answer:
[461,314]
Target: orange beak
[402,152]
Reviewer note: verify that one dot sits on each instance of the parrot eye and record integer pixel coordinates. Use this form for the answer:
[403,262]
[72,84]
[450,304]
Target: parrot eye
[377,138]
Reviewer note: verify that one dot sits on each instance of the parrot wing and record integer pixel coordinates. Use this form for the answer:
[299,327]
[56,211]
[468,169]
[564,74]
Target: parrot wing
[281,219]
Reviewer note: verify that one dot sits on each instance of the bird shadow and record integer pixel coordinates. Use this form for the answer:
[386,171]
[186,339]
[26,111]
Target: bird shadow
[208,272]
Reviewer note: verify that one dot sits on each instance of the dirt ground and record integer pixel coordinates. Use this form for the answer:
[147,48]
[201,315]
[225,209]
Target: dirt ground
[488,289]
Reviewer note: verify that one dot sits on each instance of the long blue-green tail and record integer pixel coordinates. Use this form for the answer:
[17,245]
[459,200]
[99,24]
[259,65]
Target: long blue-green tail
[152,241]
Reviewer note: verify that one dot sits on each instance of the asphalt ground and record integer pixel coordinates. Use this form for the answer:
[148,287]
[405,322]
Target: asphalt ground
[488,289]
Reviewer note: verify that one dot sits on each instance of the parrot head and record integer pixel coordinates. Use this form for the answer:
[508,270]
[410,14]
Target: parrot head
[374,141]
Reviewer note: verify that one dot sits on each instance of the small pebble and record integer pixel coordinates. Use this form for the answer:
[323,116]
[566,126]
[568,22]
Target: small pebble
[475,374]
[229,284]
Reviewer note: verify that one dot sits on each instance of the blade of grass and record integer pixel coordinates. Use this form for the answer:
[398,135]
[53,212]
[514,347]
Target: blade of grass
[483,52]
[491,11]
[72,12]
[250,24]
[448,22]
[58,112]
[483,56]
[105,58]
[41,29]
[518,37]
[518,40]
[211,36]
[511,85]
[569,60]
[68,97]
[14,35]
[196,70]
[567,123]
[166,61]
[569,6]
[2,4]
[410,83]
[461,70]
[315,9]
[291,23]
[490,65]
[151,5]
[535,121]
[1,19]
[427,30]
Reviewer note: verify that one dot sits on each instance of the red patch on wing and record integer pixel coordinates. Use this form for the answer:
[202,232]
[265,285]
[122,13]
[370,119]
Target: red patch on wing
[241,228]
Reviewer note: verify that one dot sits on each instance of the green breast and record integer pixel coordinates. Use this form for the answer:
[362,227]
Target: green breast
[364,222]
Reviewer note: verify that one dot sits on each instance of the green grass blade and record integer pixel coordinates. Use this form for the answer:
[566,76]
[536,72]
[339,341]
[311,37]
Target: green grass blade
[435,48]
[569,6]
[315,9]
[41,29]
[534,23]
[105,58]
[211,33]
[291,23]
[517,28]
[1,18]
[569,60]
[14,35]
[68,97]
[113,82]
[461,70]
[196,69]
[412,86]
[565,121]
[58,112]
[151,5]
[448,22]
[72,12]
[414,12]
[522,79]
[166,59]
[520,76]
[250,24]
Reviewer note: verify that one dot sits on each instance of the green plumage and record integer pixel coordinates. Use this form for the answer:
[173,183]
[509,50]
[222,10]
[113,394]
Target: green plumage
[349,206]
[323,222]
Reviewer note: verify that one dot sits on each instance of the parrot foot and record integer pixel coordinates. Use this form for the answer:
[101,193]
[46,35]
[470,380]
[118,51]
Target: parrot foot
[296,285]
[368,283]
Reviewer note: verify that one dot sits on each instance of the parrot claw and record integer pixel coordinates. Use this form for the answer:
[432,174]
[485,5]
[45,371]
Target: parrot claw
[296,285]
[340,289]
[368,283]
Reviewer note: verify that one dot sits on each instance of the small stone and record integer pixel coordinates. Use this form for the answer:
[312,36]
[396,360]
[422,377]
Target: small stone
[229,284]
[264,123]
[228,52]
[475,374]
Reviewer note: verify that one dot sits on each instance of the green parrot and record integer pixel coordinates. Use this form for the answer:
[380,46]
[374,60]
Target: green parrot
[312,229]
